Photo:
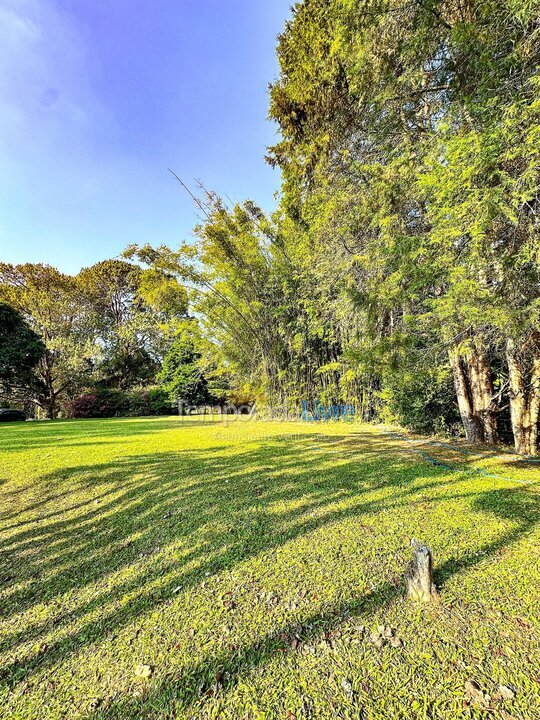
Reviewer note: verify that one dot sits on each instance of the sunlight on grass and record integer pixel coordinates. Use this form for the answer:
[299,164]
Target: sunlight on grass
[247,566]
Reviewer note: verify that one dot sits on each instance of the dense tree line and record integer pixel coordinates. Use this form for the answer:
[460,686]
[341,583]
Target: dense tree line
[410,152]
[400,270]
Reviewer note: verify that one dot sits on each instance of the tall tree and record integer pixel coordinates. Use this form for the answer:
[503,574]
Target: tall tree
[20,352]
[181,375]
[131,310]
[387,111]
[49,302]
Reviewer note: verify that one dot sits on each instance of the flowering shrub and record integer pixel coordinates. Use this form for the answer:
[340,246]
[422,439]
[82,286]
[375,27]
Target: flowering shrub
[85,406]
[118,403]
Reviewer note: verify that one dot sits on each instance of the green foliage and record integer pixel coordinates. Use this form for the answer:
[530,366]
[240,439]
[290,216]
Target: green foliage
[421,401]
[159,402]
[134,313]
[124,368]
[181,376]
[20,352]
[410,159]
[105,402]
[108,327]
[50,302]
[150,401]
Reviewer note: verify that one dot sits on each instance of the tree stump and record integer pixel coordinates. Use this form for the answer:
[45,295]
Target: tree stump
[419,576]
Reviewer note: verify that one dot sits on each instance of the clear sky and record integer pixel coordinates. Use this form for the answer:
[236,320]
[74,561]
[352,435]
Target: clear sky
[99,97]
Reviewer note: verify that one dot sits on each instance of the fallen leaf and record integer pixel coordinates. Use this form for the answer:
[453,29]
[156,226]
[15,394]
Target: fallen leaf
[218,677]
[504,693]
[143,671]
[474,691]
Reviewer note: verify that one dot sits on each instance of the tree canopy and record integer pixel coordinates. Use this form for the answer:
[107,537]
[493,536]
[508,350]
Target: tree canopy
[107,327]
[400,268]
[20,351]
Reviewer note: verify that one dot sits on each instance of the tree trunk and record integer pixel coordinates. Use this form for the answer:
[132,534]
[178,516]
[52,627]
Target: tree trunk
[419,576]
[473,430]
[48,397]
[49,405]
[474,391]
[524,381]
[482,392]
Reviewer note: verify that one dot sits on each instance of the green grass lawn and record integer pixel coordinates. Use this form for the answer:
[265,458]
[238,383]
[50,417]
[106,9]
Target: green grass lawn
[247,565]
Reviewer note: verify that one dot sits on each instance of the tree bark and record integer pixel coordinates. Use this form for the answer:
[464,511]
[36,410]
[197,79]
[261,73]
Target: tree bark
[473,430]
[482,393]
[49,405]
[524,380]
[474,392]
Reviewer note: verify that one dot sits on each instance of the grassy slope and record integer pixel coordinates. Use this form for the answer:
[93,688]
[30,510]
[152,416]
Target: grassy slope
[241,563]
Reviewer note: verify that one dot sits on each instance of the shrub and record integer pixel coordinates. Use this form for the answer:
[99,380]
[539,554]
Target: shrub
[84,406]
[118,403]
[422,401]
[160,402]
[112,403]
[153,401]
[139,403]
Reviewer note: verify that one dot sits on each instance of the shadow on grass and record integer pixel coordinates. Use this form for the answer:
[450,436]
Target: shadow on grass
[142,504]
[195,681]
[179,692]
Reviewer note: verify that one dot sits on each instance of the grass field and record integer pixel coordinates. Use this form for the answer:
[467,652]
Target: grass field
[245,568]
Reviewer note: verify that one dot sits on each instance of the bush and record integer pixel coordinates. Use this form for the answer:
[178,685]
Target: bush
[120,403]
[160,402]
[112,403]
[84,406]
[139,403]
[422,401]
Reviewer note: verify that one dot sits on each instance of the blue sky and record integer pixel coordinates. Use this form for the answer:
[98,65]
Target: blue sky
[100,97]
